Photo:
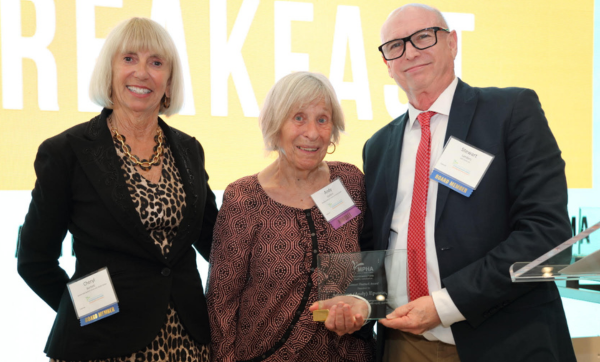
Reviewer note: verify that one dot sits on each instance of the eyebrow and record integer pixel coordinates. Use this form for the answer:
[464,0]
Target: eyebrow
[155,55]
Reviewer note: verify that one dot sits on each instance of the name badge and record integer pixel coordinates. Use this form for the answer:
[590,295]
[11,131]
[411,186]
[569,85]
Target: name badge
[93,297]
[335,204]
[461,167]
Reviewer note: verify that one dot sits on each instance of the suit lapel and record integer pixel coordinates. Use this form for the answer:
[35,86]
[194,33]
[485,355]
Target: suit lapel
[392,159]
[191,167]
[98,159]
[394,149]
[462,110]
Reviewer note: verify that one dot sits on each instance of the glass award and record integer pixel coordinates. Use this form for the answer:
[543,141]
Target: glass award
[576,258]
[360,274]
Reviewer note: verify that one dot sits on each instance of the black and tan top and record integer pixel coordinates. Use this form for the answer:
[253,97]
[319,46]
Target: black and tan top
[160,207]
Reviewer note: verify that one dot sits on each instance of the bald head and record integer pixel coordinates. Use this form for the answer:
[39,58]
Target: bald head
[439,18]
[422,72]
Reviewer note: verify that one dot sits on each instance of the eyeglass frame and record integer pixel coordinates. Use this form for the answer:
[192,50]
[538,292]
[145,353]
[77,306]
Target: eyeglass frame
[408,39]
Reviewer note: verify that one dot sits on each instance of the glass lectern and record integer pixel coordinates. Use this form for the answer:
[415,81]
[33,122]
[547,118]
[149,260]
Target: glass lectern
[563,262]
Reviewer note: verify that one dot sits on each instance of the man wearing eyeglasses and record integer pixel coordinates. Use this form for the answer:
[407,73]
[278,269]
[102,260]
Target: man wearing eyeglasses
[458,302]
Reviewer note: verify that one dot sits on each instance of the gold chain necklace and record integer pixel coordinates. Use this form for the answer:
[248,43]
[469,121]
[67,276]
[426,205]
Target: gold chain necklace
[144,164]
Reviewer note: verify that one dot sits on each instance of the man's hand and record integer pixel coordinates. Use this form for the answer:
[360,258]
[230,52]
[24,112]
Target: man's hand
[415,317]
[346,313]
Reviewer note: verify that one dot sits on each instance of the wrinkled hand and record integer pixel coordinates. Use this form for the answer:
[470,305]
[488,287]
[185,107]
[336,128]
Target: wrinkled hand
[415,317]
[346,313]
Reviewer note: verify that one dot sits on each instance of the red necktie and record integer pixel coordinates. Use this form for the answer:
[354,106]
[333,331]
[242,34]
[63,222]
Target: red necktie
[417,263]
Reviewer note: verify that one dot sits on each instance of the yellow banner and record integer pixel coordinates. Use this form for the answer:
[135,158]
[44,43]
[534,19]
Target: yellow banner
[233,52]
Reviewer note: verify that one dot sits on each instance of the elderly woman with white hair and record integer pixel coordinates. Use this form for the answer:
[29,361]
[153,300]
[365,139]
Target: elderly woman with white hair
[133,192]
[269,232]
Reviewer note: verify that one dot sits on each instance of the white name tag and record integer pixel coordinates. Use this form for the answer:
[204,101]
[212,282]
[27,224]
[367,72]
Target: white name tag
[461,167]
[335,204]
[93,297]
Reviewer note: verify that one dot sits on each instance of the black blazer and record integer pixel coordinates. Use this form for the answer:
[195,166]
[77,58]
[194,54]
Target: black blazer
[80,188]
[517,213]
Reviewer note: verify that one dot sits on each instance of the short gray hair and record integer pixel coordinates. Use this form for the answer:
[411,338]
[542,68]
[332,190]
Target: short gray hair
[133,35]
[292,92]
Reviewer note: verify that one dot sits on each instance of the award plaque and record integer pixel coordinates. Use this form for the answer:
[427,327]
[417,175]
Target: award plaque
[361,274]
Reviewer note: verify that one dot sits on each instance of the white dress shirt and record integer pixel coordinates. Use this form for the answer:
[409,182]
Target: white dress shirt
[398,294]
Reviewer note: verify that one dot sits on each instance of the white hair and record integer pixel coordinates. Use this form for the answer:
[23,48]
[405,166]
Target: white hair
[292,92]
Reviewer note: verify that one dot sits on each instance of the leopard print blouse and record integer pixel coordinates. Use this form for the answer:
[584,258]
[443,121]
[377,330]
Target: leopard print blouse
[160,207]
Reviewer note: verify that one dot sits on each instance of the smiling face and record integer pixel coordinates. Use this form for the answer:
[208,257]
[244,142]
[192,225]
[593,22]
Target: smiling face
[139,81]
[305,135]
[427,71]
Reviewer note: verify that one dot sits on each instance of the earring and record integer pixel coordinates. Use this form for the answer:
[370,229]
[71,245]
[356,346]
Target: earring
[166,101]
[331,143]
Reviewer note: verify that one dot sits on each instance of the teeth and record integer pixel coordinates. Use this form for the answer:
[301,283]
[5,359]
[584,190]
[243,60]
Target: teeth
[139,90]
[308,149]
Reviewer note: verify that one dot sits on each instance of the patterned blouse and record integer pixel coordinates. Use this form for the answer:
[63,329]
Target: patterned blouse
[260,268]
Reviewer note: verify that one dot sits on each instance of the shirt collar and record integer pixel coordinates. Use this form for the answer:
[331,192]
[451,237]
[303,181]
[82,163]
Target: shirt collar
[441,105]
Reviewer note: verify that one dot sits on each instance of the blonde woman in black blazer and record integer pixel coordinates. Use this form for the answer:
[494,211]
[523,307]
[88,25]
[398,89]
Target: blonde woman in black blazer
[138,218]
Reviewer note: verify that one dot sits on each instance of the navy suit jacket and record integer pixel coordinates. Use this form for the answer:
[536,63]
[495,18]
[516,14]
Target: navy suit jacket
[517,213]
[80,187]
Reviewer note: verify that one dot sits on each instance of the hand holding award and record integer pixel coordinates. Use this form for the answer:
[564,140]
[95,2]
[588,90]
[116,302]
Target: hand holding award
[343,314]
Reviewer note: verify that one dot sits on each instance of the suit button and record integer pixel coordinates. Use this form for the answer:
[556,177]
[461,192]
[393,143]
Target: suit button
[165,272]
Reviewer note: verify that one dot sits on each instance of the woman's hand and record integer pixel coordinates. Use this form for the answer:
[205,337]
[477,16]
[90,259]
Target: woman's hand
[347,314]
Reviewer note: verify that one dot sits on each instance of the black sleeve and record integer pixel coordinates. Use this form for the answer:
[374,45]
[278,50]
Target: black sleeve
[204,242]
[46,225]
[538,217]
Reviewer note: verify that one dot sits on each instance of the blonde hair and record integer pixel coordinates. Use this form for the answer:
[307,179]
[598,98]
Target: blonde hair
[293,92]
[137,34]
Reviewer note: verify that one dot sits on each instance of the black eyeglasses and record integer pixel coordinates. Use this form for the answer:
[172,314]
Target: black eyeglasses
[422,39]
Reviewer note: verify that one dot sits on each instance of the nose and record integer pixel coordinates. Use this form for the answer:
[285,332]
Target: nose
[141,71]
[410,51]
[311,131]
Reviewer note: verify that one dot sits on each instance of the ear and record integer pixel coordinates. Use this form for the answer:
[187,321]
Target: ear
[453,43]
